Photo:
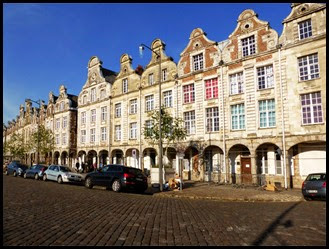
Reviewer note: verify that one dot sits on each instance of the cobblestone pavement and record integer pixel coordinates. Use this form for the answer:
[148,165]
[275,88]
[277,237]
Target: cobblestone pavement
[47,213]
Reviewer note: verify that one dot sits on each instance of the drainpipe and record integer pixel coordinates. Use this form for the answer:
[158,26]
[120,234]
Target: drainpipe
[141,164]
[282,120]
[224,149]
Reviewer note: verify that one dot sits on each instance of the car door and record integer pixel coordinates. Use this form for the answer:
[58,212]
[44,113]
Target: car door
[30,172]
[108,175]
[51,172]
[56,172]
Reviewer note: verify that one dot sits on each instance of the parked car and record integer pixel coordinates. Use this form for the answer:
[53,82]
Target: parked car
[61,174]
[16,168]
[117,177]
[36,171]
[314,186]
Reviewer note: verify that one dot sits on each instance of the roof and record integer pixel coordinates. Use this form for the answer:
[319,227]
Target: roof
[74,100]
[109,75]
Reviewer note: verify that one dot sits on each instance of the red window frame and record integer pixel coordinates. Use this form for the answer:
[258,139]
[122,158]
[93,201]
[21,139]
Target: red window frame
[188,91]
[211,88]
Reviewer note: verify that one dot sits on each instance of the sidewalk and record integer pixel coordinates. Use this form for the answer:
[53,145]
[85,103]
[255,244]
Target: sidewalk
[230,192]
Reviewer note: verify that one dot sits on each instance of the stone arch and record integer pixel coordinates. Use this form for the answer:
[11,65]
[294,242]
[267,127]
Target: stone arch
[91,160]
[64,158]
[132,158]
[117,156]
[103,157]
[213,163]
[150,158]
[82,157]
[237,155]
[191,169]
[56,157]
[169,157]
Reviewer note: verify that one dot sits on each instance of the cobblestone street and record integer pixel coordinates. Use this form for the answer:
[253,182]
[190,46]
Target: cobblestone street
[47,213]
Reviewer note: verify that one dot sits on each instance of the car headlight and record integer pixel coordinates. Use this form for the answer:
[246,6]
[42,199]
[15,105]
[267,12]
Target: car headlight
[66,175]
[20,170]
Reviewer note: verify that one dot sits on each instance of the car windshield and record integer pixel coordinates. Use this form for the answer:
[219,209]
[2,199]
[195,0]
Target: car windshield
[316,177]
[134,171]
[65,169]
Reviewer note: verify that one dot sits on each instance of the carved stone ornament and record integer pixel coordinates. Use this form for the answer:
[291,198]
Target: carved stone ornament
[181,68]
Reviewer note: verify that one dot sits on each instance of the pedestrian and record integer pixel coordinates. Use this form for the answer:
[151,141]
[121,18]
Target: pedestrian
[95,166]
[77,166]
[82,167]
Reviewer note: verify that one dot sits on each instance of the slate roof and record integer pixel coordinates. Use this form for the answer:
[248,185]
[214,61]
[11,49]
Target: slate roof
[109,75]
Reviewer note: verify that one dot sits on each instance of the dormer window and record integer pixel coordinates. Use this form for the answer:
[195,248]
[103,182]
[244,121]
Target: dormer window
[198,62]
[125,85]
[248,46]
[305,29]
[151,79]
[84,99]
[102,94]
[93,95]
[61,106]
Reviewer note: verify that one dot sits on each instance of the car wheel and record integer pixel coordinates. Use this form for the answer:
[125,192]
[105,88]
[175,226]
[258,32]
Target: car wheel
[116,186]
[44,177]
[15,174]
[88,183]
[308,198]
[60,180]
[25,175]
[36,177]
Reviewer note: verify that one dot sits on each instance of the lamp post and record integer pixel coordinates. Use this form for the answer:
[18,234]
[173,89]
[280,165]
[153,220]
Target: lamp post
[141,48]
[39,103]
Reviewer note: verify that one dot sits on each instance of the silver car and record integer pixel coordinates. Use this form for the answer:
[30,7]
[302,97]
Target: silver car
[314,186]
[61,174]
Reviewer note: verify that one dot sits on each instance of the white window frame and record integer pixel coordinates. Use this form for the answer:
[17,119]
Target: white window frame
[58,123]
[267,112]
[164,74]
[117,110]
[248,48]
[133,106]
[198,63]
[239,116]
[117,132]
[189,122]
[167,98]
[309,67]
[83,118]
[93,116]
[57,139]
[133,130]
[83,136]
[64,139]
[151,79]
[103,134]
[93,94]
[212,120]
[311,106]
[84,99]
[236,81]
[148,124]
[149,103]
[301,32]
[268,77]
[92,135]
[64,122]
[103,113]
[125,85]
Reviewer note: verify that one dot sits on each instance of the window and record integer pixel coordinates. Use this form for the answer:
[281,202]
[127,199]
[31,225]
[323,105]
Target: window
[83,118]
[311,108]
[125,85]
[92,135]
[267,113]
[61,107]
[236,83]
[148,126]
[164,74]
[118,132]
[84,99]
[211,88]
[262,161]
[189,121]
[57,139]
[93,95]
[305,29]
[103,113]
[237,117]
[83,136]
[118,110]
[188,91]
[103,133]
[103,93]
[58,123]
[64,122]
[133,106]
[308,67]
[167,96]
[198,62]
[151,79]
[64,139]
[212,119]
[93,115]
[149,102]
[265,77]
[133,131]
[278,166]
[248,46]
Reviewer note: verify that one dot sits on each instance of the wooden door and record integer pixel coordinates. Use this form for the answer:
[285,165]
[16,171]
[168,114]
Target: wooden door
[246,177]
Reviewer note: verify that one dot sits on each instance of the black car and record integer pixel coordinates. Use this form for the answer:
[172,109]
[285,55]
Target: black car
[117,177]
[314,186]
[36,171]
[16,169]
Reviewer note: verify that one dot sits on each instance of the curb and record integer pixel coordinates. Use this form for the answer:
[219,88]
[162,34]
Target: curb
[223,198]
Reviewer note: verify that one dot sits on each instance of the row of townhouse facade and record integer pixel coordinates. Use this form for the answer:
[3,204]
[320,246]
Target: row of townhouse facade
[254,105]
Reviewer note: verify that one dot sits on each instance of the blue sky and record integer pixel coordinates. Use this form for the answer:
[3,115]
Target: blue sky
[46,45]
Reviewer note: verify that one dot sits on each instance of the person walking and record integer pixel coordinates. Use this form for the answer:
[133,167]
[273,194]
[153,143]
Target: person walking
[95,166]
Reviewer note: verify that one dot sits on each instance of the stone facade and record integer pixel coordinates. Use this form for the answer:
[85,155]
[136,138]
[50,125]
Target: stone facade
[254,105]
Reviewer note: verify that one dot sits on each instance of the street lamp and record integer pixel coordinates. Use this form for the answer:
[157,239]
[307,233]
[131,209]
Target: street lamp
[39,103]
[141,48]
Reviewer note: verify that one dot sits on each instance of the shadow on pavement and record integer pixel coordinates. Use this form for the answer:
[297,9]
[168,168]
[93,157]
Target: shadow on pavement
[269,231]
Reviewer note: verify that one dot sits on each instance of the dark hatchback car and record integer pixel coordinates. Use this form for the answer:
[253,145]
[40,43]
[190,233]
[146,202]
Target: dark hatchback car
[118,177]
[314,186]
[16,169]
[36,172]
